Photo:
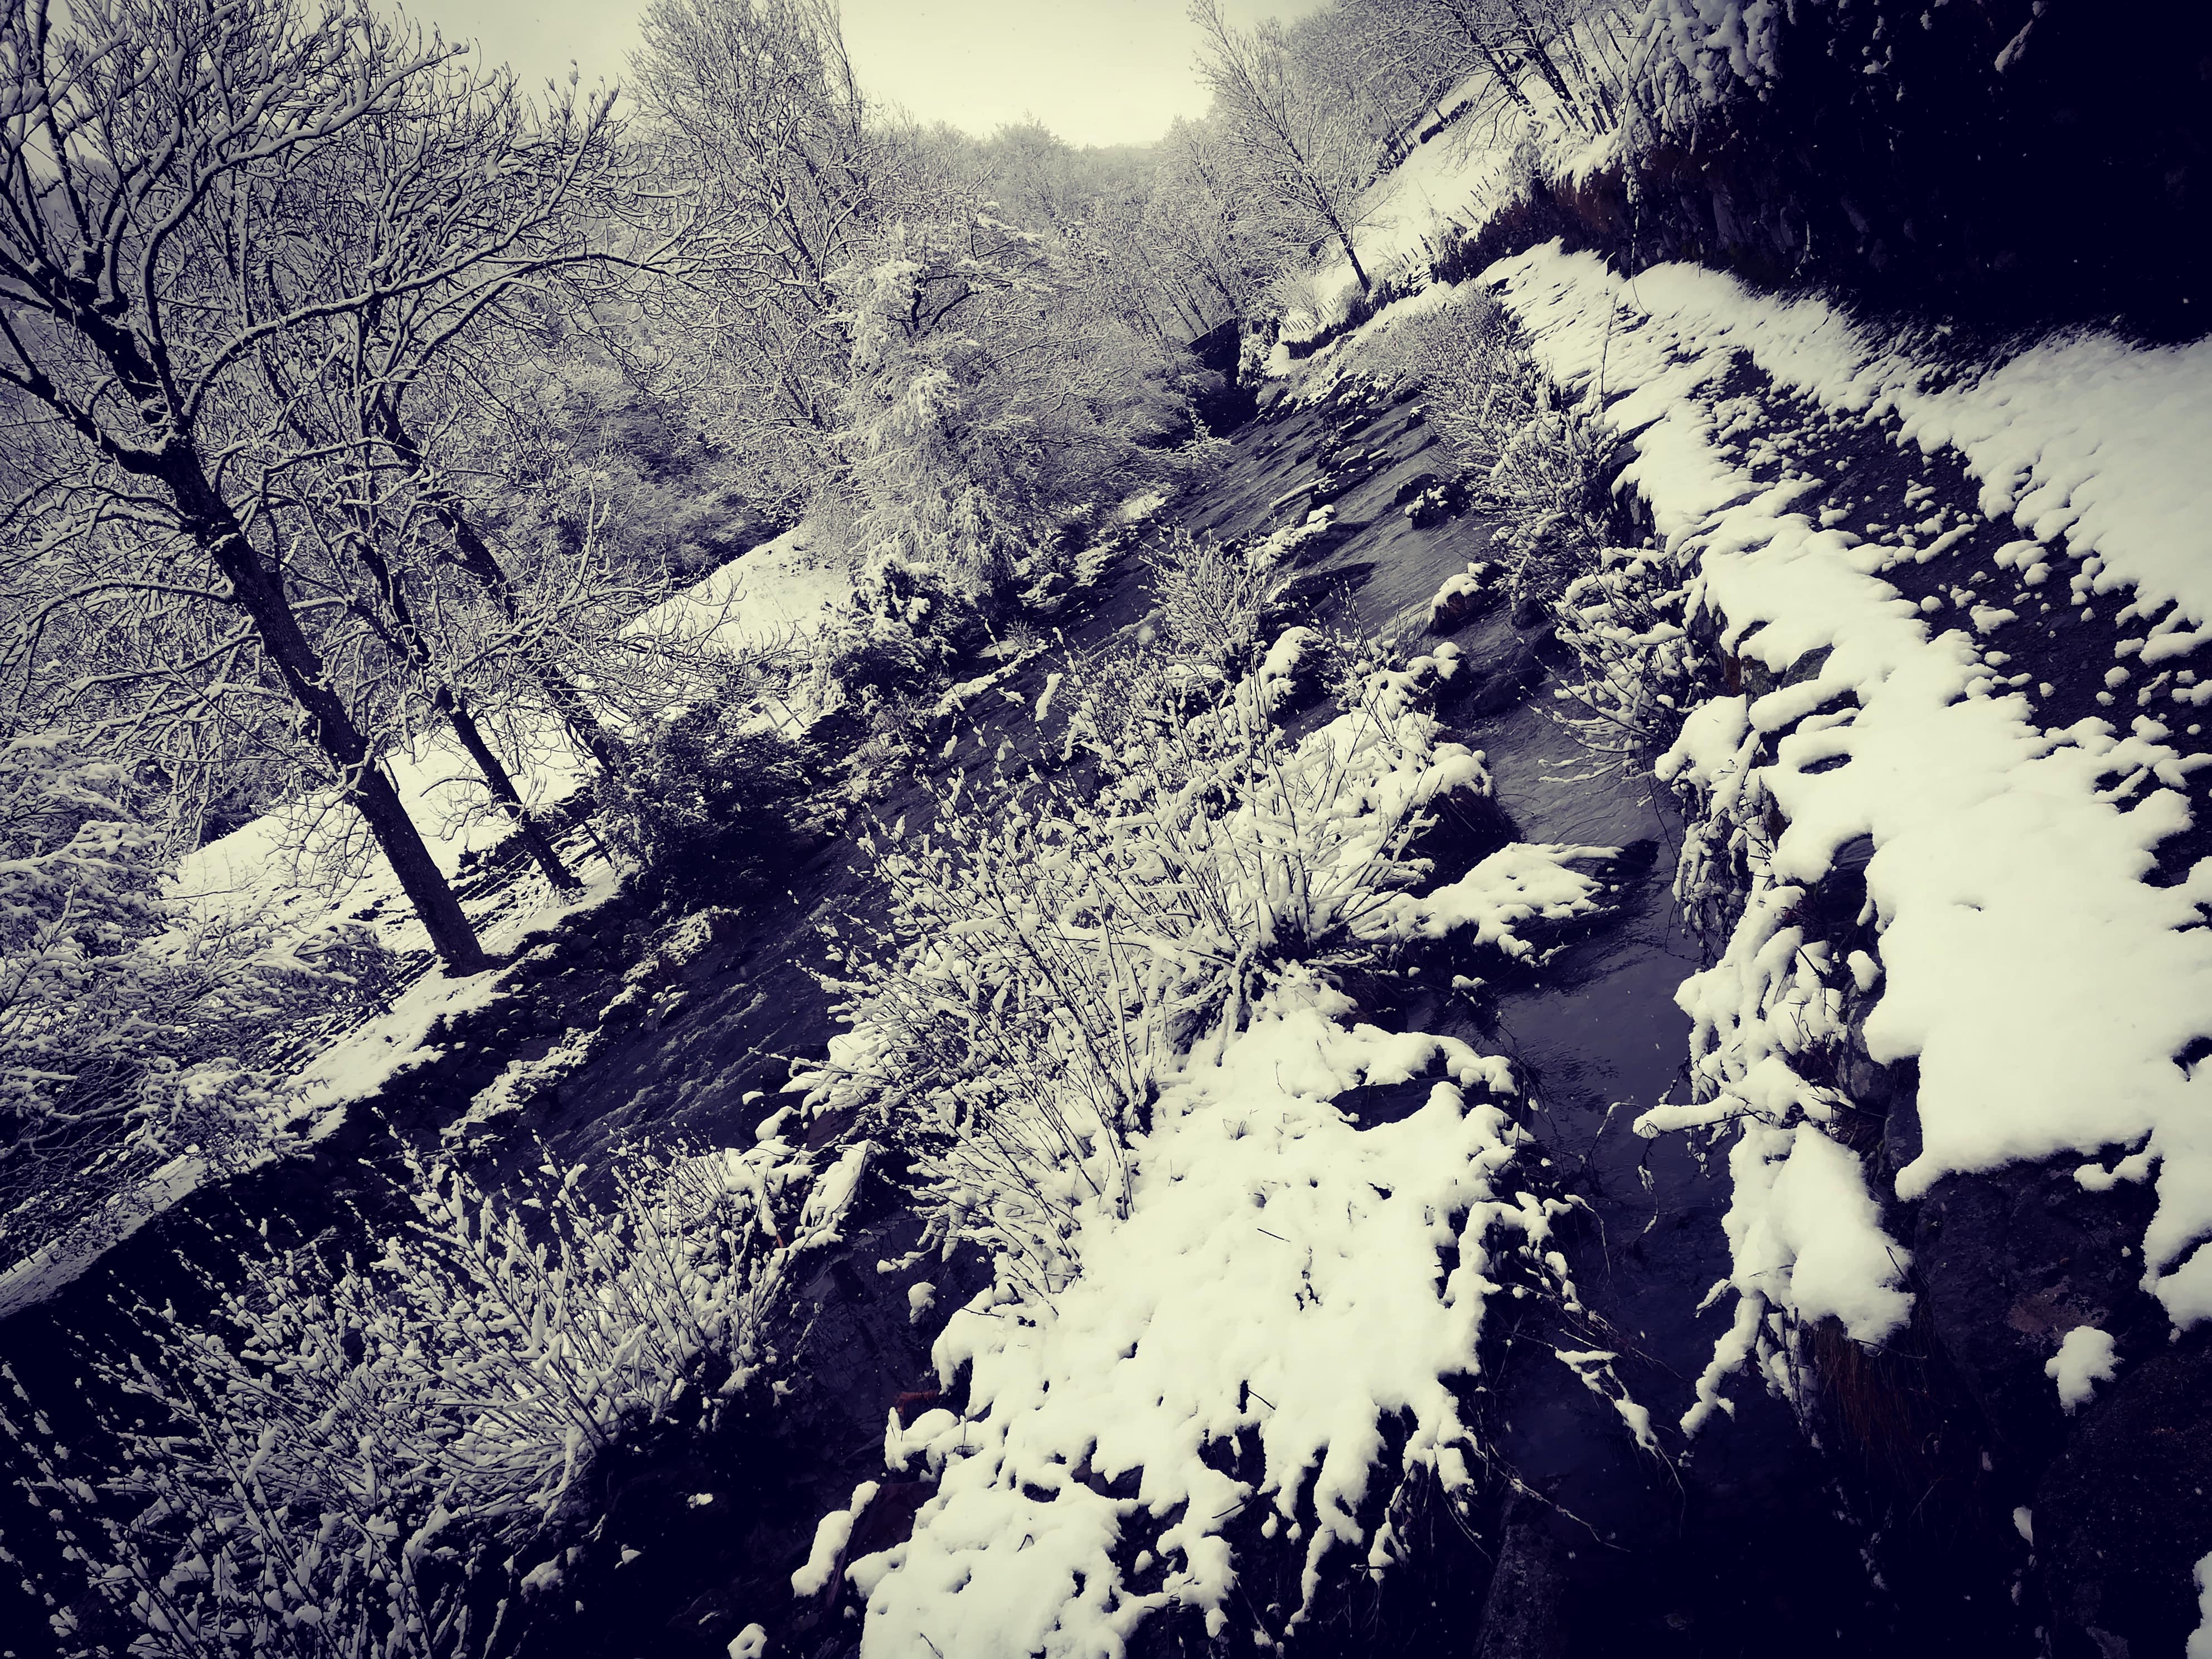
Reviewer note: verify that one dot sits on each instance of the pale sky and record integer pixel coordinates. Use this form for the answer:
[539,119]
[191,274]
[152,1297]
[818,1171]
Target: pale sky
[1094,71]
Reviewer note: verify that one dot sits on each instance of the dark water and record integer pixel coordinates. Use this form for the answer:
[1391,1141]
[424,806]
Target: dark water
[1733,1543]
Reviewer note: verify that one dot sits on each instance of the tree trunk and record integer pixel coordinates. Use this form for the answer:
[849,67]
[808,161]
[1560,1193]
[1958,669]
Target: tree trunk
[447,702]
[450,933]
[477,560]
[1545,66]
[211,522]
[1470,28]
[1358,269]
[566,700]
[504,792]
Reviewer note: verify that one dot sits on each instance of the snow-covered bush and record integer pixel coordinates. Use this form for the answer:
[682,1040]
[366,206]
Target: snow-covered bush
[713,795]
[899,630]
[984,398]
[1770,1018]
[1540,466]
[1212,598]
[332,1466]
[132,1030]
[1640,668]
[1709,49]
[1047,955]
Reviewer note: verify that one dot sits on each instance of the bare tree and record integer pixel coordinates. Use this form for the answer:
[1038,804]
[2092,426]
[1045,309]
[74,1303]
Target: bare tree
[1210,248]
[154,160]
[757,99]
[1306,153]
[390,615]
[1566,44]
[1440,42]
[475,211]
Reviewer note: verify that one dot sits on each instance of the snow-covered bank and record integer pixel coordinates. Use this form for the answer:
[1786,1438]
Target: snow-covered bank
[779,589]
[1279,1277]
[351,1067]
[1226,1291]
[1284,1275]
[310,857]
[2045,988]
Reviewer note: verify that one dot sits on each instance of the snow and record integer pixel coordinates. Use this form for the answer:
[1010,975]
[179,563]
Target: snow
[1469,584]
[1279,544]
[2086,1357]
[831,1534]
[544,1578]
[2043,986]
[778,589]
[1459,177]
[361,1062]
[1519,883]
[1278,1283]
[832,1195]
[2082,440]
[1803,1234]
[2200,1639]
[750,1643]
[270,864]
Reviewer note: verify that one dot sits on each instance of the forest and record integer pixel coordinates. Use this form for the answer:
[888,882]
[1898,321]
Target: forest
[776,881]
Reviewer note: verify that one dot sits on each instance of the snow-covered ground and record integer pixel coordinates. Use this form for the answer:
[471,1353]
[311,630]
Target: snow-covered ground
[269,866]
[778,590]
[1456,179]
[312,860]
[2043,987]
[1281,1279]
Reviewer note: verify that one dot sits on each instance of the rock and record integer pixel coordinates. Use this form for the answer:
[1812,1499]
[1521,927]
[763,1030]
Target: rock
[1437,505]
[1496,684]
[2126,1513]
[1420,484]
[1428,500]
[1525,1615]
[1461,599]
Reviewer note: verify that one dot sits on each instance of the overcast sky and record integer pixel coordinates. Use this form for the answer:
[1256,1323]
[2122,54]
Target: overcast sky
[1094,71]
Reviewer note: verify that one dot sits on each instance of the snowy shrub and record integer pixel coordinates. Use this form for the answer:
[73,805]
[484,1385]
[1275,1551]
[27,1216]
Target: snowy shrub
[330,1465]
[1046,956]
[899,630]
[1770,1019]
[982,402]
[1212,598]
[1711,50]
[1540,467]
[1199,457]
[1639,667]
[712,794]
[132,1030]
